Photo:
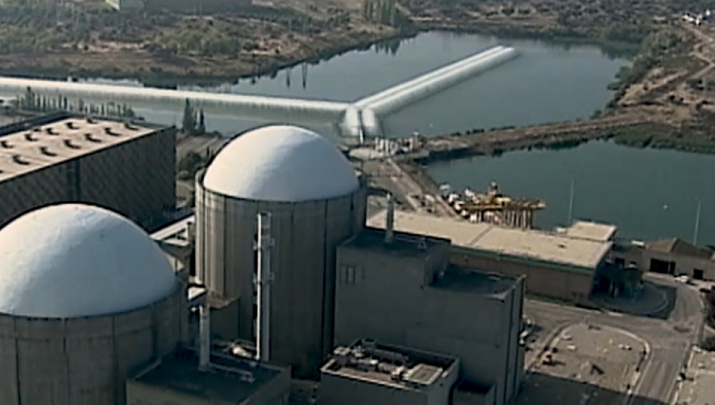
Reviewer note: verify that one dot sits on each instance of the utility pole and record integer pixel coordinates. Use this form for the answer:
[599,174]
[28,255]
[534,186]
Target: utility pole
[697,225]
[570,218]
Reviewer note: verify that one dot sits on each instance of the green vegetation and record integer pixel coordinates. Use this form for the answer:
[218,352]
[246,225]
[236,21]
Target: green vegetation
[190,164]
[664,137]
[652,50]
[194,122]
[30,101]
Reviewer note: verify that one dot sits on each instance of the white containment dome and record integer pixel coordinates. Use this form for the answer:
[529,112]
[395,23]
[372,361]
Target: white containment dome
[316,200]
[73,260]
[85,298]
[281,163]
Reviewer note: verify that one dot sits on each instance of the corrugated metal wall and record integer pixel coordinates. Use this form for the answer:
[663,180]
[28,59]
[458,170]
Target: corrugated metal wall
[303,262]
[84,361]
[136,179]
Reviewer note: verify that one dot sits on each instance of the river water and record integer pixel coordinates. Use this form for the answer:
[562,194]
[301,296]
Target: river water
[650,194]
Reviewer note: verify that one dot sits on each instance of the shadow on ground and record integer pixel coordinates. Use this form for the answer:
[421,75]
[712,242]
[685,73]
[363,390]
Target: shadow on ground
[656,301]
[543,389]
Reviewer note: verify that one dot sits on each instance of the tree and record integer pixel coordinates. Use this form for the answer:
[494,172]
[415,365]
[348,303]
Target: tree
[202,122]
[188,123]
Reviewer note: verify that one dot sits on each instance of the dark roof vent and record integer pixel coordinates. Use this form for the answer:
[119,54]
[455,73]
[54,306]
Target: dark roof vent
[70,125]
[50,131]
[37,129]
[6,145]
[69,144]
[91,121]
[29,138]
[46,152]
[89,137]
[129,126]
[18,159]
[109,131]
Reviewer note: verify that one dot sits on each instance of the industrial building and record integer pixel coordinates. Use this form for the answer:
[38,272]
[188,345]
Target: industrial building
[556,264]
[126,167]
[316,200]
[401,289]
[85,297]
[368,372]
[668,256]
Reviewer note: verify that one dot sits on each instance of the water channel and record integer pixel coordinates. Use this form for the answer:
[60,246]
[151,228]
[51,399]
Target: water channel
[650,194]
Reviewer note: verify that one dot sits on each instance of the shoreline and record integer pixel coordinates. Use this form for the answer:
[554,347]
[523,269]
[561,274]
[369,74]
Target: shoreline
[168,79]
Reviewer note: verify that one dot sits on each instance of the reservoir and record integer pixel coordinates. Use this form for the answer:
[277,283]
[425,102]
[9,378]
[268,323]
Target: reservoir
[648,193]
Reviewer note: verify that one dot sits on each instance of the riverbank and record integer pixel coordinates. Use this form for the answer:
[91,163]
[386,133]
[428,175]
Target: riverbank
[169,49]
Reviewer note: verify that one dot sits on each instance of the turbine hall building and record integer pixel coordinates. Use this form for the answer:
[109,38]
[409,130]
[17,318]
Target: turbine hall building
[126,167]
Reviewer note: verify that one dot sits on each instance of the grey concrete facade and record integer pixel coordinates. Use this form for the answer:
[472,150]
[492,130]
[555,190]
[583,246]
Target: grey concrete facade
[85,361]
[407,293]
[229,380]
[305,236]
[387,375]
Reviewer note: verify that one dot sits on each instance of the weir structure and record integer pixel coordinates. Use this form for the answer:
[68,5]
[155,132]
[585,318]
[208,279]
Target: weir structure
[358,119]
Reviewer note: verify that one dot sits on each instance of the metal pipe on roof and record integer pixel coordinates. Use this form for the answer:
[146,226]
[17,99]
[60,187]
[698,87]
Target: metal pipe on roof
[263,286]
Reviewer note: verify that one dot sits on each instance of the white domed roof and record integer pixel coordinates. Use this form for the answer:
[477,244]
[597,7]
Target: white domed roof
[74,260]
[281,163]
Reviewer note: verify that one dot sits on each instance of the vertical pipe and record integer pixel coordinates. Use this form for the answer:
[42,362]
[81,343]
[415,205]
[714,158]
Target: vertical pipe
[204,337]
[263,281]
[390,219]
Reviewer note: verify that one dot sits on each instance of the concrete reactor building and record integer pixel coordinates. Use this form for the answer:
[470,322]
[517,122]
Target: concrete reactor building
[316,200]
[85,298]
[126,167]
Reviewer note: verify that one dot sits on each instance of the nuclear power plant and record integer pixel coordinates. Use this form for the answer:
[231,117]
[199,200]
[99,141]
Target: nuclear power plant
[291,298]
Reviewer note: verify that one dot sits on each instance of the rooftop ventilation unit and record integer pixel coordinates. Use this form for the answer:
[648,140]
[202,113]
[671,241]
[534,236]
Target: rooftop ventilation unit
[70,125]
[91,121]
[50,131]
[129,126]
[29,138]
[69,144]
[46,152]
[109,131]
[18,159]
[90,138]
[6,145]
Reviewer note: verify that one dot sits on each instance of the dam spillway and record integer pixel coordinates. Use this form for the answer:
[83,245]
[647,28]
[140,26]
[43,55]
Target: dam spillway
[358,119]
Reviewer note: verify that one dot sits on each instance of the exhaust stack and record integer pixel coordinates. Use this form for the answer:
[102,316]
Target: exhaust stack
[390,219]
[263,286]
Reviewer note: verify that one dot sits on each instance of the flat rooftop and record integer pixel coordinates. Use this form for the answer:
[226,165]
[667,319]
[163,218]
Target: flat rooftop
[543,247]
[41,146]
[591,230]
[230,380]
[403,244]
[470,281]
[390,366]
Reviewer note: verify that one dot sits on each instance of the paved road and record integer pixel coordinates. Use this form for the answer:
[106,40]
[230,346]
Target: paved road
[669,339]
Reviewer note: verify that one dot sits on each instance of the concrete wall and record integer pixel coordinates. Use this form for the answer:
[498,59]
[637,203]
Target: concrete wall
[302,260]
[540,280]
[390,303]
[196,6]
[84,361]
[275,392]
[136,178]
[683,264]
[338,390]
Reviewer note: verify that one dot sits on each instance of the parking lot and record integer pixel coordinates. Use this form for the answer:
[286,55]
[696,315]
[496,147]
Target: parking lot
[585,364]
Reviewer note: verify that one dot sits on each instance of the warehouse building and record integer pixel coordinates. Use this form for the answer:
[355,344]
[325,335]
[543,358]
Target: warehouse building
[401,289]
[667,256]
[368,372]
[555,264]
[126,167]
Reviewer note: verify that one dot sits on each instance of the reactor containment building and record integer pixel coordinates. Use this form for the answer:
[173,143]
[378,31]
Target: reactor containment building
[316,200]
[85,297]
